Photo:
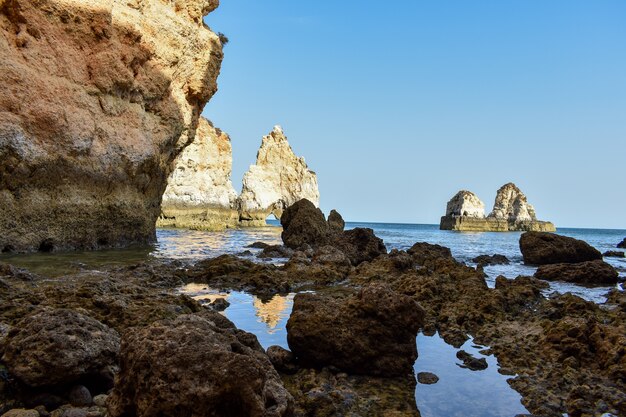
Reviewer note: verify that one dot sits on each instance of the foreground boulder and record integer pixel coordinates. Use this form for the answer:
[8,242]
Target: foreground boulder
[539,248]
[61,346]
[304,223]
[98,99]
[193,366]
[360,245]
[371,332]
[590,273]
[422,251]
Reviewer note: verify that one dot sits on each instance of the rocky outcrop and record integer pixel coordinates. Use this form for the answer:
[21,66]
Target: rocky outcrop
[495,259]
[98,99]
[511,212]
[195,366]
[371,332]
[465,204]
[590,273]
[548,248]
[622,244]
[61,346]
[200,193]
[278,180]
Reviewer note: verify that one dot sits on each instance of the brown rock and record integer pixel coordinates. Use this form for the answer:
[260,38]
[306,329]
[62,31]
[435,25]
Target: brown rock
[282,359]
[614,254]
[491,260]
[540,248]
[303,223]
[190,366]
[427,378]
[59,346]
[622,244]
[335,222]
[98,99]
[590,273]
[421,251]
[371,332]
[360,245]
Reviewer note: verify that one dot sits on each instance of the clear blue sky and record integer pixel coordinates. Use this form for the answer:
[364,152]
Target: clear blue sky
[398,105]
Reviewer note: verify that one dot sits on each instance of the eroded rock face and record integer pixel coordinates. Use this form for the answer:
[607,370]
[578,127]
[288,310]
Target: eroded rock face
[60,346]
[590,273]
[549,248]
[99,98]
[200,193]
[304,223]
[511,204]
[371,332]
[465,203]
[193,366]
[278,180]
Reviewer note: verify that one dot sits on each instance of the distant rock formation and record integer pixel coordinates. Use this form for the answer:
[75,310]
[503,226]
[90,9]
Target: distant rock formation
[200,193]
[511,212]
[277,181]
[98,98]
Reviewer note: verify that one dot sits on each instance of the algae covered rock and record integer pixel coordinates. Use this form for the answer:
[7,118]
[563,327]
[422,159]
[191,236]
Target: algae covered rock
[591,273]
[539,248]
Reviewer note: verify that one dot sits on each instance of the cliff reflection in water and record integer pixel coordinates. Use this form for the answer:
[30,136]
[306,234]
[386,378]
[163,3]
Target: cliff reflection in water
[264,318]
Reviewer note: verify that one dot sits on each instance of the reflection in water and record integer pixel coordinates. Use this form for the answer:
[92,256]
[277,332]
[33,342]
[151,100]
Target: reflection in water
[267,320]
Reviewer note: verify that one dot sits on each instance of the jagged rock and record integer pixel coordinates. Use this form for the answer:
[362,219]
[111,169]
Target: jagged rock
[591,273]
[465,204]
[99,98]
[613,254]
[421,251]
[371,332]
[335,222]
[548,248]
[278,180]
[622,244]
[304,223]
[275,251]
[192,366]
[282,359]
[60,346]
[470,362]
[360,245]
[495,259]
[511,205]
[511,212]
[199,193]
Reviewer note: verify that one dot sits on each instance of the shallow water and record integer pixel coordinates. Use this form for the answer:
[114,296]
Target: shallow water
[459,391]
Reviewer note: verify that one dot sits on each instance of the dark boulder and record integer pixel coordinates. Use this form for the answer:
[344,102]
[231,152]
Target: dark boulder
[275,251]
[614,254]
[282,359]
[422,251]
[335,222]
[61,346]
[360,245]
[191,366]
[470,362]
[491,260]
[369,332]
[541,248]
[622,244]
[427,378]
[590,273]
[258,245]
[303,223]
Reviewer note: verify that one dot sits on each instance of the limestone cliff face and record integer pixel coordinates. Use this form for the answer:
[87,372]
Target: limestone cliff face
[465,203]
[98,98]
[511,204]
[200,193]
[278,180]
[511,212]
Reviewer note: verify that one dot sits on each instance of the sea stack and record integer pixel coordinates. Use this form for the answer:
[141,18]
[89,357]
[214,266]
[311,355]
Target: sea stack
[278,180]
[200,193]
[99,97]
[511,212]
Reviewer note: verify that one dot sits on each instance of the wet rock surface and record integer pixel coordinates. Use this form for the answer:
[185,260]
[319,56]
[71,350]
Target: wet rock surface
[622,244]
[491,260]
[589,273]
[613,254]
[369,332]
[540,248]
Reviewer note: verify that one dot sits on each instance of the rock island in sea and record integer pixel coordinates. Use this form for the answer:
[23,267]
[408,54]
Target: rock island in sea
[511,212]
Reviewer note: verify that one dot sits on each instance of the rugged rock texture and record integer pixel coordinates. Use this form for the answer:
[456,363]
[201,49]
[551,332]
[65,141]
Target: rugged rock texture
[465,204]
[511,211]
[98,99]
[360,245]
[278,180]
[422,251]
[371,332]
[193,366]
[622,244]
[549,248]
[614,254]
[495,259]
[304,223]
[200,194]
[590,273]
[60,346]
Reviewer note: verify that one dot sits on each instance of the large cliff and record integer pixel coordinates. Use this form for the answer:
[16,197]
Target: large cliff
[98,98]
[200,193]
[511,212]
[279,179]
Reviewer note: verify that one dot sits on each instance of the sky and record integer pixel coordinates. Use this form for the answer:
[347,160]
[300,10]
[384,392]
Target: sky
[398,105]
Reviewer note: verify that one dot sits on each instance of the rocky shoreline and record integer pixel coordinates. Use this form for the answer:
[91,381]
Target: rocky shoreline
[567,355]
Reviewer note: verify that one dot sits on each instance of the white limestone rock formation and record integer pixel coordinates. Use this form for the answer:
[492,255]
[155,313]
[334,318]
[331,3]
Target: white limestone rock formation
[465,203]
[511,204]
[278,180]
[200,193]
